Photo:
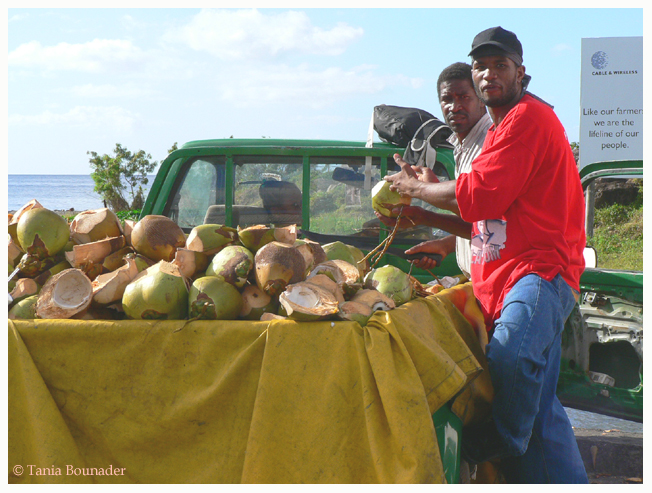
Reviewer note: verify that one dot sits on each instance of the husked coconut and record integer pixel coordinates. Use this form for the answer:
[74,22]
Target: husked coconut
[64,295]
[190,262]
[94,225]
[14,252]
[255,302]
[305,301]
[257,236]
[210,238]
[392,282]
[384,200]
[212,298]
[157,293]
[109,288]
[128,228]
[24,288]
[116,259]
[42,232]
[157,238]
[233,263]
[94,252]
[277,265]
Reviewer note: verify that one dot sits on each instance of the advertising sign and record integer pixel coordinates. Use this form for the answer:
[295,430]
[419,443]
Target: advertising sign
[611,121]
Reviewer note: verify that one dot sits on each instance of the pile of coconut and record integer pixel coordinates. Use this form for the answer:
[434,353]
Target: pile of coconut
[96,267]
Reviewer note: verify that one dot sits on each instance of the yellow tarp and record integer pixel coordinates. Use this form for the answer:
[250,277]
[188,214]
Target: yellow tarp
[230,402]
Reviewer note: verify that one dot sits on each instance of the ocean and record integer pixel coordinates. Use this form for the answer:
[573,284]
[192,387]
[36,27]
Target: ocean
[56,192]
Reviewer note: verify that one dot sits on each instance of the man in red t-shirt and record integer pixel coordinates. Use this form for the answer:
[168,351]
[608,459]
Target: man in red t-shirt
[525,201]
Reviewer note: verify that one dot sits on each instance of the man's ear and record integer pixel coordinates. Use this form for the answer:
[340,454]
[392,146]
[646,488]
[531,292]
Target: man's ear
[520,72]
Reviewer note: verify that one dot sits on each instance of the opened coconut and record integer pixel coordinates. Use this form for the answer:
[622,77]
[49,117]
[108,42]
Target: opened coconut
[277,265]
[42,232]
[190,262]
[64,294]
[355,312]
[210,238]
[323,281]
[255,302]
[95,225]
[233,263]
[212,298]
[23,288]
[109,288]
[157,238]
[305,301]
[392,282]
[257,236]
[345,274]
[374,299]
[384,200]
[94,252]
[157,293]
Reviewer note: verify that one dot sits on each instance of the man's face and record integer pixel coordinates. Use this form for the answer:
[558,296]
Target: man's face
[497,80]
[460,106]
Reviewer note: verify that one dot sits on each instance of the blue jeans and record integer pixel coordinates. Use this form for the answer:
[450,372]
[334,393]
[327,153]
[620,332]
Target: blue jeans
[524,357]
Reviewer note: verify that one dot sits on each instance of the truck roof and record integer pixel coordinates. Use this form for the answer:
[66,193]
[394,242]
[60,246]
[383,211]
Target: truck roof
[303,143]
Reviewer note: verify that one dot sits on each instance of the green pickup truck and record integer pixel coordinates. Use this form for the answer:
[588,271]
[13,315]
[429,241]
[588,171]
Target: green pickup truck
[324,187]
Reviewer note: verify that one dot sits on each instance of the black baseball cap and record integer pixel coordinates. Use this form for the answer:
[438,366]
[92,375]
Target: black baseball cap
[497,41]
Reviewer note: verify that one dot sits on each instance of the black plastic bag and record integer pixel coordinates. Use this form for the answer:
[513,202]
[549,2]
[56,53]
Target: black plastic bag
[397,125]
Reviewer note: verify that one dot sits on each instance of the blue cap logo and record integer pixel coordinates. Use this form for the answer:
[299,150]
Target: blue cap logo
[599,60]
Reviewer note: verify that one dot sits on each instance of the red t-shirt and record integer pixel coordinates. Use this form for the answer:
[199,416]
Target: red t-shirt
[526,203]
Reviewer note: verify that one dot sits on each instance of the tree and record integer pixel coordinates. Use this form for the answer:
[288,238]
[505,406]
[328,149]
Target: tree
[125,172]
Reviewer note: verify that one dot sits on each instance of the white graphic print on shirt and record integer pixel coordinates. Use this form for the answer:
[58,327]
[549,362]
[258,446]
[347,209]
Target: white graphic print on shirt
[486,245]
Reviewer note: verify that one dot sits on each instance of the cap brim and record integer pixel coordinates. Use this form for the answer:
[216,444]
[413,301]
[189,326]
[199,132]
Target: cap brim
[490,48]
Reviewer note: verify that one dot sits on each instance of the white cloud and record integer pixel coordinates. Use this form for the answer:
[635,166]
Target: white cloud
[302,86]
[99,55]
[111,91]
[112,117]
[250,34]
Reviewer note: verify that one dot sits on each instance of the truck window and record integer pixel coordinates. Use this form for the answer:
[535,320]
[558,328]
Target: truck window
[201,184]
[340,203]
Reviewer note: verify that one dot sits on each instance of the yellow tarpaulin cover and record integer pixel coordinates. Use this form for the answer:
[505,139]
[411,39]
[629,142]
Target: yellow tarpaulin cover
[230,402]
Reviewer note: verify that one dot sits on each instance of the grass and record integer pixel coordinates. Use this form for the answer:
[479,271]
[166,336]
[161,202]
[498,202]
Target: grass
[618,236]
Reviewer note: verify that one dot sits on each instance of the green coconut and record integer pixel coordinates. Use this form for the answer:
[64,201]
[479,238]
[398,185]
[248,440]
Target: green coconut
[157,293]
[392,282]
[384,200]
[257,236]
[211,238]
[338,251]
[23,288]
[42,232]
[277,265]
[255,302]
[24,309]
[359,260]
[157,238]
[212,298]
[233,263]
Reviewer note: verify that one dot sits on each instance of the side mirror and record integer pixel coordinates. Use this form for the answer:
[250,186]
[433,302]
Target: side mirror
[590,257]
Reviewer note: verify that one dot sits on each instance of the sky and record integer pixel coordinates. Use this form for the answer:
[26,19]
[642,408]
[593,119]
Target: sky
[83,80]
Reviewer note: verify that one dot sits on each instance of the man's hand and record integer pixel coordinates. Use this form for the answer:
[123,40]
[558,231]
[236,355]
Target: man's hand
[425,174]
[441,247]
[411,216]
[405,181]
